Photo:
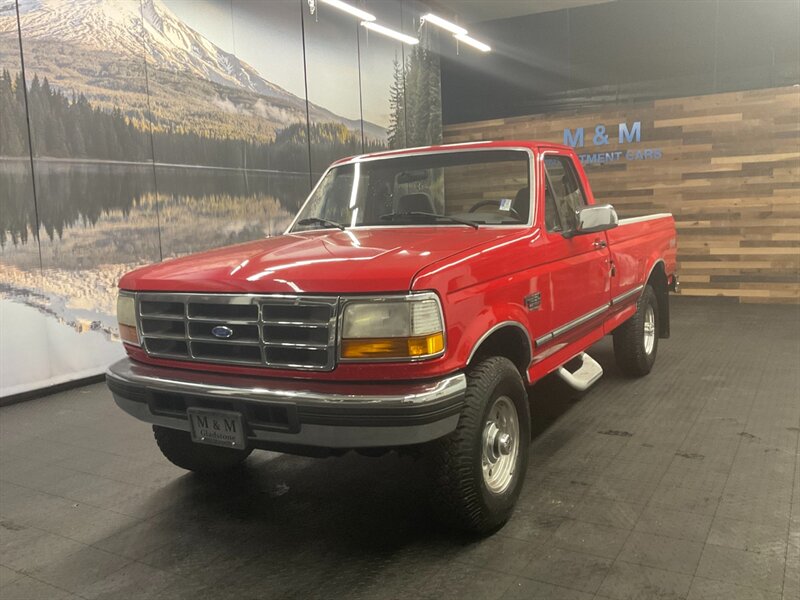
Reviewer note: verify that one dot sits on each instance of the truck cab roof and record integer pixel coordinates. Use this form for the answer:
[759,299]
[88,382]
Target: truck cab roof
[480,145]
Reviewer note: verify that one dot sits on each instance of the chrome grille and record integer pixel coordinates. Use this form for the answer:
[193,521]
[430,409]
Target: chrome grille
[291,332]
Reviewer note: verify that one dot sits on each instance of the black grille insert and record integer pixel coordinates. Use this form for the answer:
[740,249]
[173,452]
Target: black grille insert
[165,347]
[294,313]
[237,312]
[299,335]
[163,327]
[234,352]
[295,356]
[171,309]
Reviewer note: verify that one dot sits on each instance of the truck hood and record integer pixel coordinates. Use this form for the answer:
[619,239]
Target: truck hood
[380,259]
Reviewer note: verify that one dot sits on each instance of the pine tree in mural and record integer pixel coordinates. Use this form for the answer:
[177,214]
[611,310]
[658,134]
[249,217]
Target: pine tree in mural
[397,118]
[415,101]
[68,126]
[13,134]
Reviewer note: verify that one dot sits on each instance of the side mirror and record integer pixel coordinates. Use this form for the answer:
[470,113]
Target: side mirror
[591,219]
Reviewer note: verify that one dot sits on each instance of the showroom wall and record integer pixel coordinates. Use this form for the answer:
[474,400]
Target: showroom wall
[686,107]
[734,195]
[134,131]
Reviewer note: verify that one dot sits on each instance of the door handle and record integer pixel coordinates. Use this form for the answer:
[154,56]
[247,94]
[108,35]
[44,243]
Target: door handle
[598,244]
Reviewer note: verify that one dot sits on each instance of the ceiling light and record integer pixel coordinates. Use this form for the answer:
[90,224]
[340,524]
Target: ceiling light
[473,42]
[444,24]
[356,12]
[390,33]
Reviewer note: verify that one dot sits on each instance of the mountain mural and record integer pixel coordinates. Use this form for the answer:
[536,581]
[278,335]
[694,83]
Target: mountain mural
[98,48]
[152,138]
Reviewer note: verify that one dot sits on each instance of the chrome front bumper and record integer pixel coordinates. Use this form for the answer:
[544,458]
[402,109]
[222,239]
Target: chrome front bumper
[294,413]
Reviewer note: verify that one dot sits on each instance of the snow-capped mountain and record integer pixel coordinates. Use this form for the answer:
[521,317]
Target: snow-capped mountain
[127,28]
[172,42]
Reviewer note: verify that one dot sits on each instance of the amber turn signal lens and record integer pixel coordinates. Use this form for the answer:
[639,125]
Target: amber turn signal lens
[128,334]
[411,347]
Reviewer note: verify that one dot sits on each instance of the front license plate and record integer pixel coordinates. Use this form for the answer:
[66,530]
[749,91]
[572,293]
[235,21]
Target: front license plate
[217,428]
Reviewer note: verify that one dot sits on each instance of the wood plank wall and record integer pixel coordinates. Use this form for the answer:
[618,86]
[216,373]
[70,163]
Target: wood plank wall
[729,171]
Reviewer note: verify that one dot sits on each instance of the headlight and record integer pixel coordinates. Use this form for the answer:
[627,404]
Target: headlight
[126,317]
[406,328]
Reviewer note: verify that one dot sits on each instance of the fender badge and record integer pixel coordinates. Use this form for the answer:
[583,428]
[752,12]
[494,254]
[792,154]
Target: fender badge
[533,301]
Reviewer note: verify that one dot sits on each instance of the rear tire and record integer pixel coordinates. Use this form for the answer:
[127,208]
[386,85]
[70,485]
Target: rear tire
[181,451]
[478,472]
[636,340]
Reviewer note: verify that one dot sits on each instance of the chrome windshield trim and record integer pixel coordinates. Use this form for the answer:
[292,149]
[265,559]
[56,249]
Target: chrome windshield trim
[445,150]
[306,201]
[625,295]
[244,388]
[559,331]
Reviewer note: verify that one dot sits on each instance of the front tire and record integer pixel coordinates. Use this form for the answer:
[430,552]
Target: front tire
[181,451]
[478,470]
[636,340]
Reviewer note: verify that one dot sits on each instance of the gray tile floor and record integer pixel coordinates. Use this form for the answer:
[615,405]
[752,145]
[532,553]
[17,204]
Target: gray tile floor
[685,484]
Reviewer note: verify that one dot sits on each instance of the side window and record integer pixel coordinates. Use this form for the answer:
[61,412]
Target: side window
[565,193]
[551,218]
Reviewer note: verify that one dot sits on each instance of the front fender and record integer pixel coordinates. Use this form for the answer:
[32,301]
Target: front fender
[487,320]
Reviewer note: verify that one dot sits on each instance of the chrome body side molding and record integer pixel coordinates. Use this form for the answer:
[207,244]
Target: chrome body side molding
[625,295]
[559,331]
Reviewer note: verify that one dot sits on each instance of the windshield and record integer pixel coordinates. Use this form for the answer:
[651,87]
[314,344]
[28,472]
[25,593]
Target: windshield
[488,187]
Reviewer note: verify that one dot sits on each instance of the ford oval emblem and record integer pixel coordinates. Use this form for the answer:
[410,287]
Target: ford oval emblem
[222,332]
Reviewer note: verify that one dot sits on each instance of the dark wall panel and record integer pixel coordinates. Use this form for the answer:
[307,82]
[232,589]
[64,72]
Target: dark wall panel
[528,64]
[759,42]
[667,48]
[623,51]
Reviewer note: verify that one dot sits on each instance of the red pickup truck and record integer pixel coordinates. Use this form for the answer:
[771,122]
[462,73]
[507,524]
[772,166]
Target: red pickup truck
[410,305]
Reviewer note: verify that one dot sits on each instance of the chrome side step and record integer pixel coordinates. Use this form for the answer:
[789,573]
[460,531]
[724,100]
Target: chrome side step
[585,376]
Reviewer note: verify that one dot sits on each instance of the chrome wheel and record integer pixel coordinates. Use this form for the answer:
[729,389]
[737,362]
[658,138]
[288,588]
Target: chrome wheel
[649,329]
[500,445]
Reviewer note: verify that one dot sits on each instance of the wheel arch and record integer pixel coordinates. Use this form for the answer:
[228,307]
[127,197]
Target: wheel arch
[657,279]
[509,339]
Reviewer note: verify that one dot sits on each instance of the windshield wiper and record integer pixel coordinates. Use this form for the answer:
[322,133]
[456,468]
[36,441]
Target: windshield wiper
[419,213]
[320,221]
